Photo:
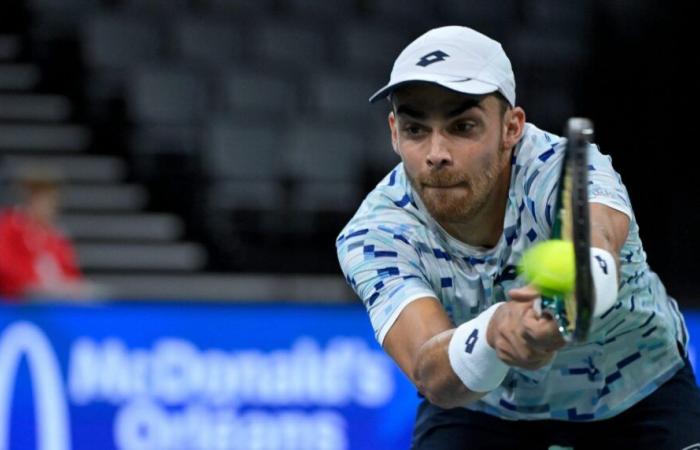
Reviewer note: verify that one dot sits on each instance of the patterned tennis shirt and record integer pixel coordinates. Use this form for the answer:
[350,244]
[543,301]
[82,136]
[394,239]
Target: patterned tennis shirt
[393,252]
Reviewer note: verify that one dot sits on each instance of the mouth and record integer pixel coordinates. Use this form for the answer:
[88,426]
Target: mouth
[443,186]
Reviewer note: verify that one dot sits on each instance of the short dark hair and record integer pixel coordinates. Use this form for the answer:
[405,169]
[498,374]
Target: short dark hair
[505,105]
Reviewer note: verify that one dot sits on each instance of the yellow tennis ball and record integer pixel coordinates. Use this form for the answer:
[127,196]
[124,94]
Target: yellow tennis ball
[550,267]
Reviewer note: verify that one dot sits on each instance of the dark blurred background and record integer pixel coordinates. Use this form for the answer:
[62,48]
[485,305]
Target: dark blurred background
[214,148]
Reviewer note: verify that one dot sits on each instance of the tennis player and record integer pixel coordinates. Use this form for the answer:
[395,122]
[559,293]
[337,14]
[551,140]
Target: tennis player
[432,253]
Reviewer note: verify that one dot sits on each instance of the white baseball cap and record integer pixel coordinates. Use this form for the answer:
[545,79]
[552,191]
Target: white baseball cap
[457,58]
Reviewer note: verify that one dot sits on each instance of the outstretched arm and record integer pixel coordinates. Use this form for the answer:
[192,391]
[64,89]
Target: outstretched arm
[438,357]
[418,342]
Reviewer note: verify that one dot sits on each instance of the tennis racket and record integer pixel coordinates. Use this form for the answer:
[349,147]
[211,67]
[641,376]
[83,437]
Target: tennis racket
[574,311]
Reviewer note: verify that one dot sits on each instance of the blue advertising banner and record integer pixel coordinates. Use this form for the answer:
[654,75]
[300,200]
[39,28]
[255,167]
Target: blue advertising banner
[198,377]
[190,376]
[692,320]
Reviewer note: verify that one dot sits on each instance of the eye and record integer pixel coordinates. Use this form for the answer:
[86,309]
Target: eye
[413,130]
[463,127]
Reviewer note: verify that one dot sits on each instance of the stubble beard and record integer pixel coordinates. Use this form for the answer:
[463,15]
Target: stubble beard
[464,203]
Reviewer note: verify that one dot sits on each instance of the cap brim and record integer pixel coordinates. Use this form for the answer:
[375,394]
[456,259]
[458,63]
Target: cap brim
[463,86]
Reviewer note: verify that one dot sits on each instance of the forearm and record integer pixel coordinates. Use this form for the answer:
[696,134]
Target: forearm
[459,365]
[435,378]
[450,366]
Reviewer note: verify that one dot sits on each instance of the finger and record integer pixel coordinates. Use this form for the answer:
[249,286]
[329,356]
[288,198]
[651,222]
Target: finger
[532,362]
[544,321]
[522,352]
[523,294]
[507,357]
[544,346]
[513,358]
[506,344]
[542,332]
[509,342]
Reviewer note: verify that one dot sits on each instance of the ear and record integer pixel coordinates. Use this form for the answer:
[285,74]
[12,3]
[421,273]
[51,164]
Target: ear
[513,126]
[394,132]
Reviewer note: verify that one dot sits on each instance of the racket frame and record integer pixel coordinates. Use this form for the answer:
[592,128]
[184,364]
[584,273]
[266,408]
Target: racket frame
[574,311]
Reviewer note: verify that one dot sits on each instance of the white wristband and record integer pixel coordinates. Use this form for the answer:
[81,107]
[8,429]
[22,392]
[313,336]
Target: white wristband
[604,275]
[473,360]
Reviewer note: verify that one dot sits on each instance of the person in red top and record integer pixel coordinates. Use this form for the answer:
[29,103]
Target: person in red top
[36,259]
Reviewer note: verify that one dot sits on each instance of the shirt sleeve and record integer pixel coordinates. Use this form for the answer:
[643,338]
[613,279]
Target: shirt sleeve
[542,184]
[605,184]
[385,271]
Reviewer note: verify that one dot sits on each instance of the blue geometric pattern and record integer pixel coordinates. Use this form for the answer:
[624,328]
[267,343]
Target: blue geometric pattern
[405,200]
[531,205]
[354,245]
[387,271]
[392,252]
[532,234]
[402,238]
[511,234]
[370,252]
[546,155]
[472,260]
[531,179]
[392,178]
[440,254]
[373,298]
[548,215]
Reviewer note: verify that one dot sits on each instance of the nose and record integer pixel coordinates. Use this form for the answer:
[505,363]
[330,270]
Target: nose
[438,154]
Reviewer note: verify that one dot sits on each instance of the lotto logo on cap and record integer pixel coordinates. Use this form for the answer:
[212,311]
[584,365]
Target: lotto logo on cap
[456,58]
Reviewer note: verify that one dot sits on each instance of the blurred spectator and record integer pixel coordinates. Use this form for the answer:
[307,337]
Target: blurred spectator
[36,259]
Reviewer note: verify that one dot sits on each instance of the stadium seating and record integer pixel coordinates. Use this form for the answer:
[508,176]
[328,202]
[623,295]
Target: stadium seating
[258,93]
[341,96]
[165,96]
[314,151]
[14,76]
[114,41]
[206,41]
[249,116]
[249,152]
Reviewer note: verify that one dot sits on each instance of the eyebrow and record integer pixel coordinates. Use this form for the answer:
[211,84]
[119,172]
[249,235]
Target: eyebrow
[404,110]
[418,114]
[466,105]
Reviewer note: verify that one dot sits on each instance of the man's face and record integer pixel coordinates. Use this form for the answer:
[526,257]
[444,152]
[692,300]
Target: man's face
[452,147]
